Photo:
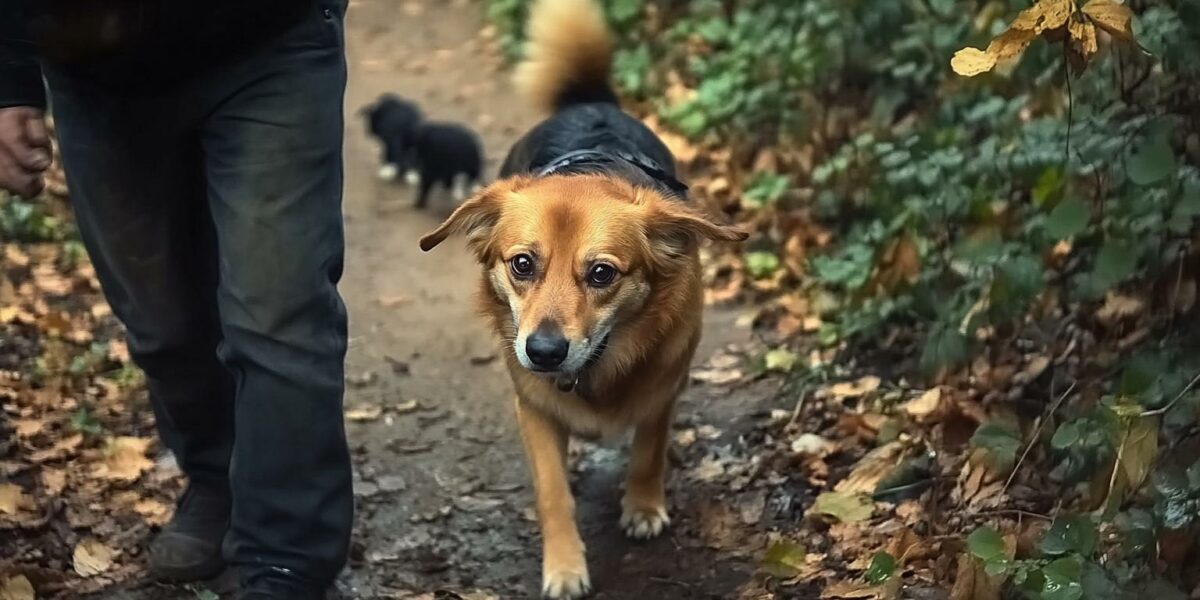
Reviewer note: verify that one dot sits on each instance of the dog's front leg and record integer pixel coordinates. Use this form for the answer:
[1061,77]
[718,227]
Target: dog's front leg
[564,566]
[644,508]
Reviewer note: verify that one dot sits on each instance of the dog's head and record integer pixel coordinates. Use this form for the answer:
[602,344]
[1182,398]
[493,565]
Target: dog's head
[574,257]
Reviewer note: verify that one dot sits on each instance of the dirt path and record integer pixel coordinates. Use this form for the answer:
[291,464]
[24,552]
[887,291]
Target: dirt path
[415,338]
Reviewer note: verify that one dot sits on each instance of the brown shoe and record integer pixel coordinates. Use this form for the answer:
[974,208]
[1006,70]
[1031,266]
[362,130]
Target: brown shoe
[189,547]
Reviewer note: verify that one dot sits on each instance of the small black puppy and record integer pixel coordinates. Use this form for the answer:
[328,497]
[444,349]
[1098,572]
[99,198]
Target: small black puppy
[445,153]
[393,121]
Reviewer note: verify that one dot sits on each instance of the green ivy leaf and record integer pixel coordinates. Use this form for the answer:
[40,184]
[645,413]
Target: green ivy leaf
[1067,219]
[624,11]
[761,264]
[1063,579]
[1115,261]
[1001,443]
[1096,585]
[1048,185]
[944,348]
[881,569]
[986,544]
[1075,534]
[1065,436]
[1153,160]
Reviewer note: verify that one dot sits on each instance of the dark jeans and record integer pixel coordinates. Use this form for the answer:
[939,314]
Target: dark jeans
[212,212]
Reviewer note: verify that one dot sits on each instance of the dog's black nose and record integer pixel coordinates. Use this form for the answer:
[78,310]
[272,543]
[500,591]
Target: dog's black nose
[546,347]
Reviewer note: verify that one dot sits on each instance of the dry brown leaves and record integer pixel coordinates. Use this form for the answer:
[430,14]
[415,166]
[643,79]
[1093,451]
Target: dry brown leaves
[1053,19]
[17,587]
[92,558]
[124,459]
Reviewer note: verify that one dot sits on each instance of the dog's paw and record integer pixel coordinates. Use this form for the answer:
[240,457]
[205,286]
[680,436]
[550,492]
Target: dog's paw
[412,177]
[566,584]
[643,523]
[388,172]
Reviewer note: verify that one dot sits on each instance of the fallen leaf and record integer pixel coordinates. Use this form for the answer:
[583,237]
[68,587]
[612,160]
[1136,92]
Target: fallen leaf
[16,257]
[812,444]
[843,506]
[60,449]
[1140,450]
[53,481]
[972,583]
[17,587]
[709,469]
[1111,17]
[1118,307]
[780,359]
[717,376]
[13,499]
[853,590]
[365,413]
[406,407]
[925,404]
[47,279]
[854,389]
[125,459]
[25,428]
[92,557]
[864,478]
[154,511]
[1035,368]
[784,559]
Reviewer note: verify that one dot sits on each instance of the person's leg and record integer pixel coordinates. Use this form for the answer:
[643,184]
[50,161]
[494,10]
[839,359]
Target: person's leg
[273,154]
[137,186]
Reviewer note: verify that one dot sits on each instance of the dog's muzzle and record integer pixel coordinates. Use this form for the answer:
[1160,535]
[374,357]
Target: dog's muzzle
[567,382]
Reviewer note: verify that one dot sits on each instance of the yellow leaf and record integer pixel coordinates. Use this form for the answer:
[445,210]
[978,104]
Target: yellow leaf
[92,557]
[1055,14]
[1044,16]
[970,62]
[1141,448]
[1111,17]
[926,404]
[1010,44]
[854,389]
[16,587]
[1083,37]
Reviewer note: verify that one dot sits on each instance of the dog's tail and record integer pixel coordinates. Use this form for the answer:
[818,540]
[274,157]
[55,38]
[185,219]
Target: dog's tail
[568,55]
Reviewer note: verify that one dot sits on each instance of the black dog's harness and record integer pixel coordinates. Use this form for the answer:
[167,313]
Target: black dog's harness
[599,159]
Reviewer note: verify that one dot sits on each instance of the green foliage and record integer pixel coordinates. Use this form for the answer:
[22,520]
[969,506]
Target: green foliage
[23,221]
[881,569]
[761,264]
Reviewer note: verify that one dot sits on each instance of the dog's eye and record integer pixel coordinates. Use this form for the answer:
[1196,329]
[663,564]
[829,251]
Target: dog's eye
[601,274]
[521,266]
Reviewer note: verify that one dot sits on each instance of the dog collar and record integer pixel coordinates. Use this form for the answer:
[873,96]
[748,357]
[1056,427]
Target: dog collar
[601,157]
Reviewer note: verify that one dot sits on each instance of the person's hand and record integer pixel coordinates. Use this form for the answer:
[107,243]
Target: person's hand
[24,150]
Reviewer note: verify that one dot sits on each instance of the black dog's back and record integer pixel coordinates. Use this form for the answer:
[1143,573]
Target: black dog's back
[445,152]
[601,126]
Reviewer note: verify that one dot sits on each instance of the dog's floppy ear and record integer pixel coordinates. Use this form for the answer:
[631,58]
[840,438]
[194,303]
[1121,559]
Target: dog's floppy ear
[674,227]
[475,217]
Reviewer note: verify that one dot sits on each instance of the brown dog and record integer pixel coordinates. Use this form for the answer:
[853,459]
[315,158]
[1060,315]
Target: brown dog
[591,279]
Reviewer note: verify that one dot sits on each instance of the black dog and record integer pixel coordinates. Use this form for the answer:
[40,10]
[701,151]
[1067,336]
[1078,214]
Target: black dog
[393,121]
[445,153]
